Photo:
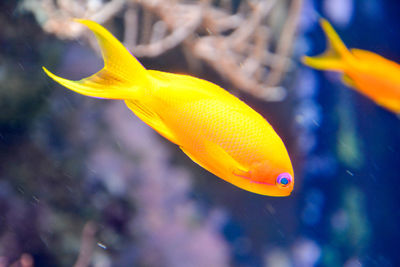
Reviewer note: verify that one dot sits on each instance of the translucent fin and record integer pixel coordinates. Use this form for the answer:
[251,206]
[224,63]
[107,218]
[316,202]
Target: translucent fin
[121,76]
[150,118]
[217,161]
[336,54]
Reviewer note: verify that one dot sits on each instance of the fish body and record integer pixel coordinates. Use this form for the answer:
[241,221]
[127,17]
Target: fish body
[370,74]
[214,128]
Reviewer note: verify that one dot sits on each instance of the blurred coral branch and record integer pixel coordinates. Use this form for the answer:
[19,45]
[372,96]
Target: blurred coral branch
[247,46]
[25,260]
[86,251]
[285,43]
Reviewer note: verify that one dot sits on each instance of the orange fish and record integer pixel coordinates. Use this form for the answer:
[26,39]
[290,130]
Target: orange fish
[370,74]
[214,128]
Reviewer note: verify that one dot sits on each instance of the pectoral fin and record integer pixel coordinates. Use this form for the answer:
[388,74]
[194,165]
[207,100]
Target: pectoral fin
[217,161]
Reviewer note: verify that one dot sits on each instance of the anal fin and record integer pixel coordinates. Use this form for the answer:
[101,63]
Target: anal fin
[347,80]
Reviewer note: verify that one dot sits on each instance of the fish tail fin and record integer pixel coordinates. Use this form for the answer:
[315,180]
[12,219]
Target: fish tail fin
[121,75]
[335,57]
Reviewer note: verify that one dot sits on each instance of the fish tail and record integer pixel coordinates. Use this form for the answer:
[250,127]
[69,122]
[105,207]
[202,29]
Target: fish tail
[121,76]
[336,56]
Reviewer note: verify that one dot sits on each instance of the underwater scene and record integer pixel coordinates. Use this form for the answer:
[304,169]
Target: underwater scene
[191,133]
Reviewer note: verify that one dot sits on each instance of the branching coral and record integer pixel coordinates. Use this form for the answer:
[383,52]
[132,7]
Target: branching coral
[246,44]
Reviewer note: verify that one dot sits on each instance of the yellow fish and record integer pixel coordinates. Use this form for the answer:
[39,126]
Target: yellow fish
[370,74]
[214,128]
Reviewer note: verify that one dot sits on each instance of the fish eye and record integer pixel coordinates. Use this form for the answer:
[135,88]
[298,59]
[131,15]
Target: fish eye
[284,179]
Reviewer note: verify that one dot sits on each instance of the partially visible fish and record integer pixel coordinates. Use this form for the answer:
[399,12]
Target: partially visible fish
[368,73]
[214,128]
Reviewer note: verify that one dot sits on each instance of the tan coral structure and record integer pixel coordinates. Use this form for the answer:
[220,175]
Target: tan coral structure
[251,47]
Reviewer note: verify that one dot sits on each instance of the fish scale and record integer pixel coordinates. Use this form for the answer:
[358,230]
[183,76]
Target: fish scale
[214,128]
[239,135]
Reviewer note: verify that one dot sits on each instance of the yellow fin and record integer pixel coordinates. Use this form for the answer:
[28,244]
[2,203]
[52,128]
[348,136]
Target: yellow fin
[391,104]
[335,54]
[189,87]
[150,118]
[348,81]
[121,76]
[217,161]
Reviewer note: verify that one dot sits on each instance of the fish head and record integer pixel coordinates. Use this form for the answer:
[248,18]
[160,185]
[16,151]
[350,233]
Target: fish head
[272,177]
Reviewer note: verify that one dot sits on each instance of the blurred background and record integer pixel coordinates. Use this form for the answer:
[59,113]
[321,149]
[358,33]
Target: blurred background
[83,182]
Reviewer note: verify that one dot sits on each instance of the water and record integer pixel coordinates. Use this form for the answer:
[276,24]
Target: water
[83,178]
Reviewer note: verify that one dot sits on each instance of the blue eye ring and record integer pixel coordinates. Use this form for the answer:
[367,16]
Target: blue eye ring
[284,179]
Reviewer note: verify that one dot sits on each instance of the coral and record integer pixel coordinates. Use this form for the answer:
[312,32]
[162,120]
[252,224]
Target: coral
[243,42]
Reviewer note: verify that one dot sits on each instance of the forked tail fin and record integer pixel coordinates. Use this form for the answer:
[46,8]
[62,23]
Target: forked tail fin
[336,54]
[121,75]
